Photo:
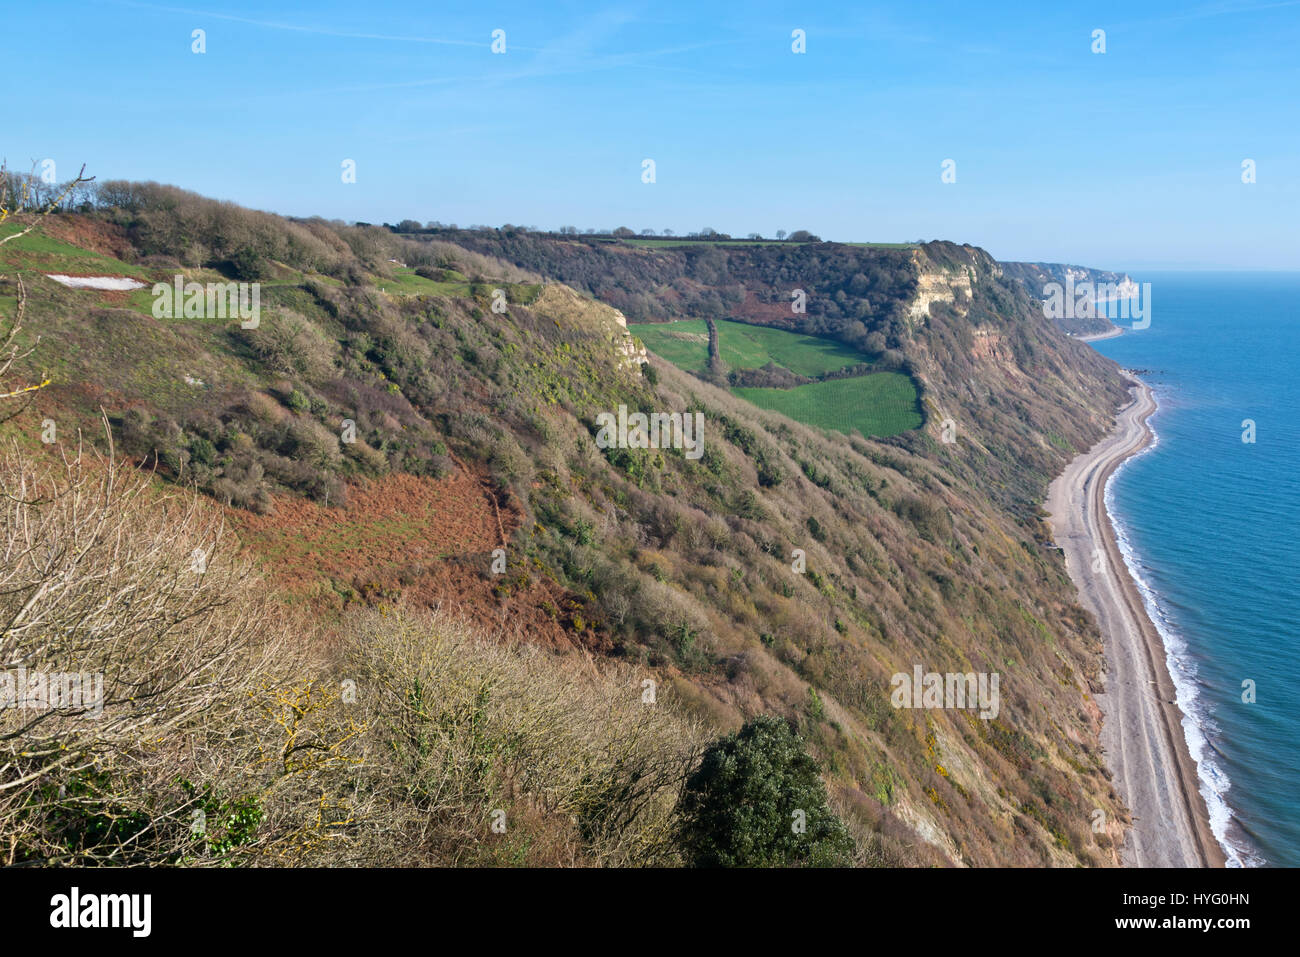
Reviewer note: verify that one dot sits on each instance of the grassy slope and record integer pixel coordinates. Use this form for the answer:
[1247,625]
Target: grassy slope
[405,282]
[38,251]
[881,404]
[751,347]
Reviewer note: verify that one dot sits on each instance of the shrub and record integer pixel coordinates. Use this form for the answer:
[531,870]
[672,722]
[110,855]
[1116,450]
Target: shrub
[202,451]
[744,805]
[931,520]
[246,265]
[289,344]
[458,725]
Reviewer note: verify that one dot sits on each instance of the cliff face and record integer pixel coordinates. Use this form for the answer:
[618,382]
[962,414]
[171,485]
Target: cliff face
[933,284]
[1018,396]
[560,302]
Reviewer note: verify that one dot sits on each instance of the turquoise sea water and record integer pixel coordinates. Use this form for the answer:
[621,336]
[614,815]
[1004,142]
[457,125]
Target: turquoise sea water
[1211,527]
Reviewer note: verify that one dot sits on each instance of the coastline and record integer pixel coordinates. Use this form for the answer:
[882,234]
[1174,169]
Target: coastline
[1142,734]
[1094,337]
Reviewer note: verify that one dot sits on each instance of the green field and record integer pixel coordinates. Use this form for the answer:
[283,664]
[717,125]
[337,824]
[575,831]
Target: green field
[880,404]
[752,347]
[877,404]
[686,345]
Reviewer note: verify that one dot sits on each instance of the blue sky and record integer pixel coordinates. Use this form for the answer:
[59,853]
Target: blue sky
[1129,159]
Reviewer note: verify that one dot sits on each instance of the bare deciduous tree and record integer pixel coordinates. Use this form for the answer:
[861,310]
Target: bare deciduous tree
[133,642]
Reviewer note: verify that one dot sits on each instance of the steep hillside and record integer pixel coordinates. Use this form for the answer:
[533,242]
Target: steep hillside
[784,569]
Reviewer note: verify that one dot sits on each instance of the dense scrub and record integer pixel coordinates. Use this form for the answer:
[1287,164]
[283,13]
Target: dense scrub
[202,735]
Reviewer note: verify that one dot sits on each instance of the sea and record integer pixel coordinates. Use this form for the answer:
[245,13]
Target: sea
[1208,519]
